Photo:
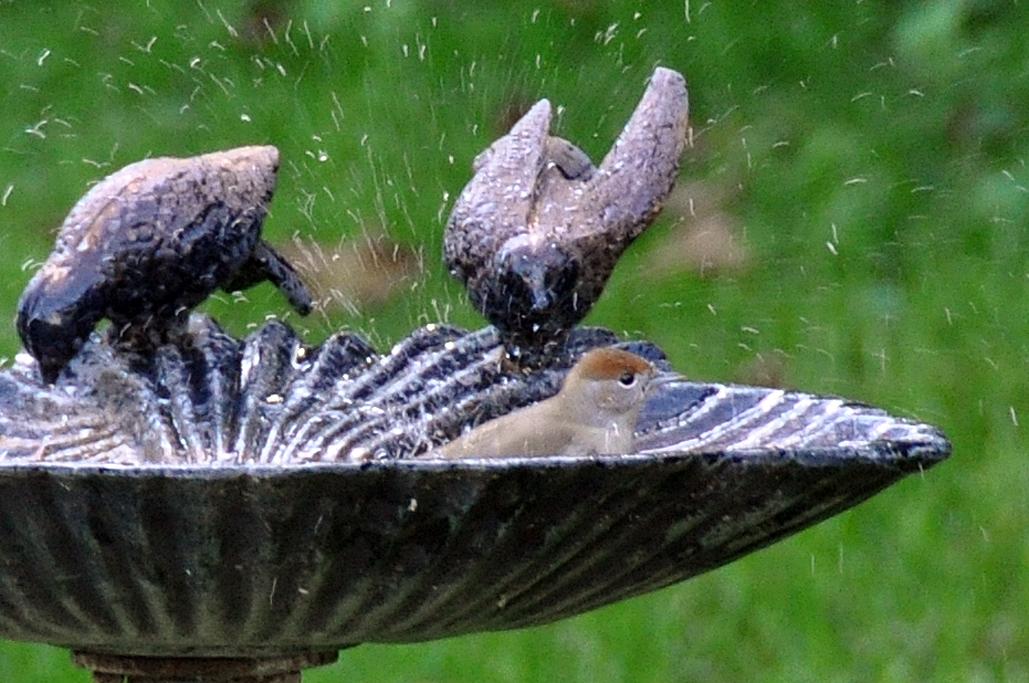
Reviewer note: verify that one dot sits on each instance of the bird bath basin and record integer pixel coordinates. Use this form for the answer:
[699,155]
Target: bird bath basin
[190,566]
[216,509]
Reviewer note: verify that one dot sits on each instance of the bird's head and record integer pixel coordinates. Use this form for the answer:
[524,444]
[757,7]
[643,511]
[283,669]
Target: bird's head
[607,384]
[56,314]
[537,285]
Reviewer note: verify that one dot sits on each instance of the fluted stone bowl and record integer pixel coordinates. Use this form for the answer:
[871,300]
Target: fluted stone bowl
[219,532]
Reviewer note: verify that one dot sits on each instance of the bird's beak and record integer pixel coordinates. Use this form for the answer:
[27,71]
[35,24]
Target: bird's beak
[541,299]
[665,378]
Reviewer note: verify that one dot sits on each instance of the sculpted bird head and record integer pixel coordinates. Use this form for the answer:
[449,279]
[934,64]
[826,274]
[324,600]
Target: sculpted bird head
[535,283]
[55,316]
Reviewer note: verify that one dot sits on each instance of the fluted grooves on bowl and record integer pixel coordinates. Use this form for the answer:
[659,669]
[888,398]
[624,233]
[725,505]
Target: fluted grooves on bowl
[271,399]
[209,398]
[266,501]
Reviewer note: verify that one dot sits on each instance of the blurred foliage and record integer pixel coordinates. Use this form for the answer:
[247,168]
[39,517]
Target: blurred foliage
[870,156]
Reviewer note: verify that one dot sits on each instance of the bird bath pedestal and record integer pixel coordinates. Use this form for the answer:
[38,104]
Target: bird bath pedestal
[118,669]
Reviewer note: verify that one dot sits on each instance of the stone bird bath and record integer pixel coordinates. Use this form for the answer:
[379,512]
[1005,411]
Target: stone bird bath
[216,509]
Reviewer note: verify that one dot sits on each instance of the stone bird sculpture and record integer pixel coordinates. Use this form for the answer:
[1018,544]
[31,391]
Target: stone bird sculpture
[148,243]
[594,413]
[537,231]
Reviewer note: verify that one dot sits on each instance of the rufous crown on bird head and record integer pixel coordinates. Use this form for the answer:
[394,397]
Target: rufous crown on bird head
[608,380]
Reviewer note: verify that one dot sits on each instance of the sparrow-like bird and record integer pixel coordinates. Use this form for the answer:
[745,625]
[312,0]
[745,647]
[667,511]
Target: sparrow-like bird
[148,243]
[538,230]
[595,412]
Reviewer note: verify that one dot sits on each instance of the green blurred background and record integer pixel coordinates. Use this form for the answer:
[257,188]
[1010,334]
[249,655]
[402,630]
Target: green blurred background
[851,219]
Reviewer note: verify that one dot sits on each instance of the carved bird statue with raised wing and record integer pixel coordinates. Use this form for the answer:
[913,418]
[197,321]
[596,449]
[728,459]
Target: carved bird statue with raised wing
[538,230]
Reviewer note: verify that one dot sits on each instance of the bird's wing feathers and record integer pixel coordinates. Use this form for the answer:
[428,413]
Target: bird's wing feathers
[639,171]
[496,203]
[525,432]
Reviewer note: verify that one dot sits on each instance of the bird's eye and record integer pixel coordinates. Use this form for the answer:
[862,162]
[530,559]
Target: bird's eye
[627,379]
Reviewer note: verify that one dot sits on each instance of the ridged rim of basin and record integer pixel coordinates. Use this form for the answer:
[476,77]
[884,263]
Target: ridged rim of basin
[903,455]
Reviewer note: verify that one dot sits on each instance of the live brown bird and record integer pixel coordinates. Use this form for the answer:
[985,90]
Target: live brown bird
[594,413]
